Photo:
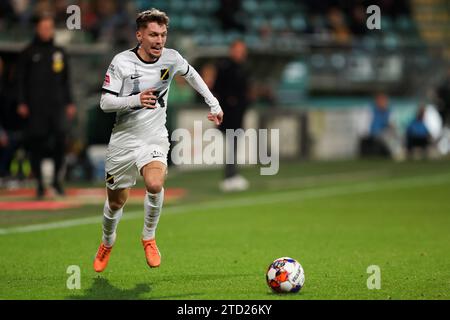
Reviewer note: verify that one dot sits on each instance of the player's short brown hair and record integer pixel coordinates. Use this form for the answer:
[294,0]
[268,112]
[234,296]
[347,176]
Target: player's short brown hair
[152,15]
[41,16]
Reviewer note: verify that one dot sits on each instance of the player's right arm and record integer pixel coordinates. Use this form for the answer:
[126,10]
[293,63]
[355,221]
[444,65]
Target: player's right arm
[110,100]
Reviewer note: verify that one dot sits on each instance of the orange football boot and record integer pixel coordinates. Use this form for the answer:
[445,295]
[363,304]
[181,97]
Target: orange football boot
[102,258]
[152,253]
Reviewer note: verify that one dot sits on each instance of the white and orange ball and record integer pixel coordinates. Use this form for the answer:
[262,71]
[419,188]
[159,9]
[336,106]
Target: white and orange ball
[285,275]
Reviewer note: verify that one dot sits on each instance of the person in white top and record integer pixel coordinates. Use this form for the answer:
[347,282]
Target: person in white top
[136,87]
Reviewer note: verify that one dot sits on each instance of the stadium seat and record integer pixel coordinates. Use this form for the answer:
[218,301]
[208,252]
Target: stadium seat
[386,23]
[217,39]
[404,24]
[338,61]
[298,23]
[251,39]
[278,22]
[231,36]
[318,61]
[175,21]
[210,6]
[268,6]
[258,21]
[369,42]
[293,83]
[390,41]
[178,6]
[250,6]
[197,6]
[201,38]
[160,4]
[188,22]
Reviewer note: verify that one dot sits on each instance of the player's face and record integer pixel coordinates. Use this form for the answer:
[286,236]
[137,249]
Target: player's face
[45,29]
[238,52]
[152,39]
[382,101]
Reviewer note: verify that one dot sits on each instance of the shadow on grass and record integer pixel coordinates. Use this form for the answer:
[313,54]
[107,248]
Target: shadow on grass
[102,289]
[286,295]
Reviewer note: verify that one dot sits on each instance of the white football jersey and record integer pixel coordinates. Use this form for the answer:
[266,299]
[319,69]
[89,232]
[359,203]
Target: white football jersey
[127,75]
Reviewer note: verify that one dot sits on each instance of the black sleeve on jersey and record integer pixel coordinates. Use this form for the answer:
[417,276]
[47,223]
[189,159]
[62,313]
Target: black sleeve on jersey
[186,71]
[109,91]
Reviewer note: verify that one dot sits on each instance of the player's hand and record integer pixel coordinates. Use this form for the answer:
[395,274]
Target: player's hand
[71,111]
[148,99]
[3,139]
[23,110]
[216,118]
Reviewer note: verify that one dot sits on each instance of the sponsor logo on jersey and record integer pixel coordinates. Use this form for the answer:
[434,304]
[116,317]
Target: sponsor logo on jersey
[107,80]
[157,154]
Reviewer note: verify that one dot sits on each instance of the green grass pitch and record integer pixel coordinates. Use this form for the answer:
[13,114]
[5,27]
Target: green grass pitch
[335,218]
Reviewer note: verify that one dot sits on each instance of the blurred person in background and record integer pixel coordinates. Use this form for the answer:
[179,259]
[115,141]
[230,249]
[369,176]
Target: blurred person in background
[382,130]
[13,163]
[3,155]
[231,87]
[417,135]
[4,141]
[338,27]
[45,101]
[113,25]
[89,19]
[231,16]
[443,95]
[358,20]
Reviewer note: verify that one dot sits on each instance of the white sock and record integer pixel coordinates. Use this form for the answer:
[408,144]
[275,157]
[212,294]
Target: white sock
[152,205]
[111,219]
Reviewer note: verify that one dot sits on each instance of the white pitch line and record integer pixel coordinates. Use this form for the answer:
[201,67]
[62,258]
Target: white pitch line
[270,198]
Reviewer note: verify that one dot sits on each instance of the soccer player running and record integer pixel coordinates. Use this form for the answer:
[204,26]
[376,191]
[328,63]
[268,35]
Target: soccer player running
[136,87]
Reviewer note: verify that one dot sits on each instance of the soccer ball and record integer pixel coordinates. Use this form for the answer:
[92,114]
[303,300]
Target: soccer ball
[285,275]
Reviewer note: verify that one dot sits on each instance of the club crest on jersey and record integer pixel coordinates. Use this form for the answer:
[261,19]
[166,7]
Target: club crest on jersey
[58,62]
[164,74]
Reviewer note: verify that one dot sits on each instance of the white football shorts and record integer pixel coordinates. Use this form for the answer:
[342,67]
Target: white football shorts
[123,165]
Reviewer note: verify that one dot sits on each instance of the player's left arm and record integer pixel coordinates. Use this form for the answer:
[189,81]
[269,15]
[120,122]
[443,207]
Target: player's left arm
[195,81]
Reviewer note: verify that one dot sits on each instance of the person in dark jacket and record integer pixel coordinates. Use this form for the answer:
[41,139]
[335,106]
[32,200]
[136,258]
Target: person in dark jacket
[443,94]
[45,101]
[417,134]
[231,87]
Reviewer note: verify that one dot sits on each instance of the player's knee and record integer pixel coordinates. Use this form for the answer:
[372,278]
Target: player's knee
[116,204]
[154,186]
